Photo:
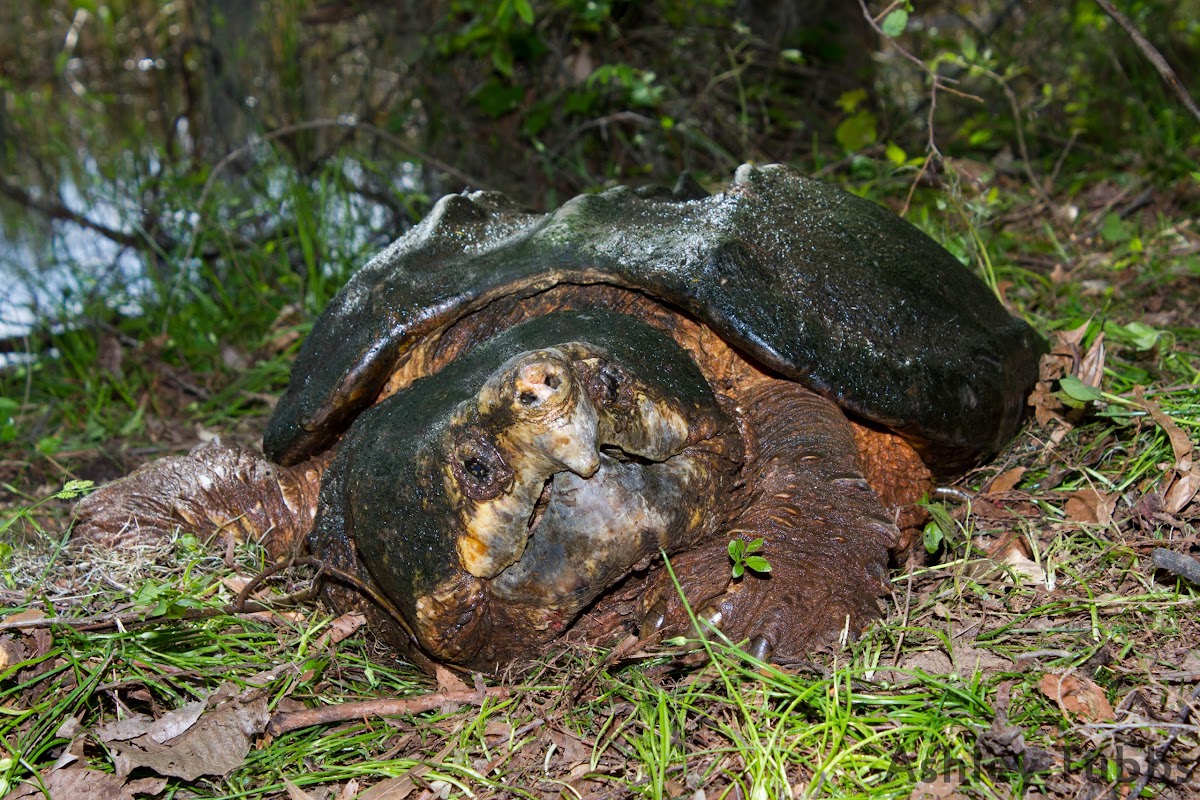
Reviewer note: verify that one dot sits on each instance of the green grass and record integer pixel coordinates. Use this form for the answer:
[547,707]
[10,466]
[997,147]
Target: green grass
[929,693]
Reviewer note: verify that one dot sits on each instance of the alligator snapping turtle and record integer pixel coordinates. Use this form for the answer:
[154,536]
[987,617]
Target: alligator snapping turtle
[511,415]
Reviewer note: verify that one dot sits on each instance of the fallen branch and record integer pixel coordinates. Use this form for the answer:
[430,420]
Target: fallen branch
[344,712]
[1153,56]
[60,211]
[1177,564]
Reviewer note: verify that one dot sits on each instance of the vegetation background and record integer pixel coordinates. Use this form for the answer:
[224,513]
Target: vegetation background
[185,184]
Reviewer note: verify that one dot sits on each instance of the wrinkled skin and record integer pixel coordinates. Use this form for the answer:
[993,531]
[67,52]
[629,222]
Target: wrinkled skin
[491,508]
[520,413]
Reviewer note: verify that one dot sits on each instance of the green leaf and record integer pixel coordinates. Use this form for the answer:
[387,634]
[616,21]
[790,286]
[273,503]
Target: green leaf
[1141,335]
[738,569]
[895,23]
[932,537]
[857,131]
[737,549]
[1114,230]
[524,11]
[758,564]
[896,154]
[941,528]
[502,60]
[1078,390]
[73,489]
[496,98]
[852,99]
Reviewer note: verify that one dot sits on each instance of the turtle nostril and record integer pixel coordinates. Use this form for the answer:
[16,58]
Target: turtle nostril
[539,382]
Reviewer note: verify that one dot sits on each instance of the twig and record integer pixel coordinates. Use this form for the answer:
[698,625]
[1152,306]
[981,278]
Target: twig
[1155,58]
[343,712]
[1155,755]
[289,130]
[60,211]
[1177,564]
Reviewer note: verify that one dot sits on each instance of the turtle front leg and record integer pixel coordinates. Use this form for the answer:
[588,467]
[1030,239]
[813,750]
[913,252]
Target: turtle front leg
[826,535]
[215,488]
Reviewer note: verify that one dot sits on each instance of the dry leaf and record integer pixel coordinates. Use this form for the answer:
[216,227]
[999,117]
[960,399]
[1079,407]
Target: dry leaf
[215,745]
[10,652]
[448,682]
[1019,563]
[391,789]
[28,615]
[1077,695]
[1182,492]
[1181,445]
[160,730]
[940,788]
[1186,483]
[401,787]
[341,628]
[1088,505]
[294,792]
[87,784]
[1006,481]
[1091,367]
[1065,358]
[1046,407]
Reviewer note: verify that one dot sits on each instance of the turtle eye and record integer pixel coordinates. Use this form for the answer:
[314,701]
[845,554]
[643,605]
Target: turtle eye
[605,384]
[478,467]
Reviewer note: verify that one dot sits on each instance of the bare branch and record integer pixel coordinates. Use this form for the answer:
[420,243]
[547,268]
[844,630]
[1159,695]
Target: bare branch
[60,211]
[344,712]
[1153,56]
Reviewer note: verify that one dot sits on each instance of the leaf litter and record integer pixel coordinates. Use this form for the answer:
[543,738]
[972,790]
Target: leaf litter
[1049,587]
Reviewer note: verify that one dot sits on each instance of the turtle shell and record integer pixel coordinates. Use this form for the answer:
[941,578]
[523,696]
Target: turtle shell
[805,279]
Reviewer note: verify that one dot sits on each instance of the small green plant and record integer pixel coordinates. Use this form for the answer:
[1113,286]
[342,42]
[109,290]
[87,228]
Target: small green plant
[70,491]
[742,553]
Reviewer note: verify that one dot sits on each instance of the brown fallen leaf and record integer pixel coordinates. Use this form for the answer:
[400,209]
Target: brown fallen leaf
[447,681]
[294,792]
[1089,505]
[1077,695]
[166,727]
[341,628]
[1006,481]
[1091,367]
[83,783]
[402,786]
[1182,492]
[940,788]
[1066,358]
[1184,484]
[216,744]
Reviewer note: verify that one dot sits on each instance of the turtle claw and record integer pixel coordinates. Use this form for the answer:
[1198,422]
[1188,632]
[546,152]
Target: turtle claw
[760,648]
[804,603]
[710,619]
[653,619]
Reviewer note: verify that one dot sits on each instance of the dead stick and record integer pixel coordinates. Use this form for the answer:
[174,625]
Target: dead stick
[1154,57]
[343,712]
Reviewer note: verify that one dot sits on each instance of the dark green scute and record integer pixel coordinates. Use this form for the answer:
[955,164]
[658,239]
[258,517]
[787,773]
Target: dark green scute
[822,286]
[386,478]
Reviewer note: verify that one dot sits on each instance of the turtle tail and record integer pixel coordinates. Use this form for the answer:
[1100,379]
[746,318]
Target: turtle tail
[214,489]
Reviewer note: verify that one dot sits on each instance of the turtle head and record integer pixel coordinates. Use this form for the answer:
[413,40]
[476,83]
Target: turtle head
[509,490]
[531,419]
